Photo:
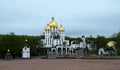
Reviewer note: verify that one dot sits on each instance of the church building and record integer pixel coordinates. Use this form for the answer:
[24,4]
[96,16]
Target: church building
[54,35]
[54,39]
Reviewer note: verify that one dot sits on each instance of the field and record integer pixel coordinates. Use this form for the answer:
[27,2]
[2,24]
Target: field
[60,64]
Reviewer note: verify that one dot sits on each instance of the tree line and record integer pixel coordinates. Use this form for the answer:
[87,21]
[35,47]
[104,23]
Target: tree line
[15,43]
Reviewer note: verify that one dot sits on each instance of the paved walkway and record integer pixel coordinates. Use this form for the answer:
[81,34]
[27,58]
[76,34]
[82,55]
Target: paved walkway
[59,64]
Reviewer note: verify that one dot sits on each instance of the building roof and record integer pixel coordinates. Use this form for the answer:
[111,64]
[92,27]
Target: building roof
[47,27]
[111,44]
[75,42]
[52,23]
[61,28]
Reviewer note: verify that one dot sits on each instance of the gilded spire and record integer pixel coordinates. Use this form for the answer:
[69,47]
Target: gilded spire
[53,23]
[52,18]
[61,25]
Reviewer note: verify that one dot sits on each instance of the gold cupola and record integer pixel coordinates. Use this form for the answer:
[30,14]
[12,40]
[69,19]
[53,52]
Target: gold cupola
[53,23]
[61,28]
[111,44]
[47,27]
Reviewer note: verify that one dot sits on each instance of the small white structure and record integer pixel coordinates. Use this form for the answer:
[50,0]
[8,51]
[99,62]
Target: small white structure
[26,50]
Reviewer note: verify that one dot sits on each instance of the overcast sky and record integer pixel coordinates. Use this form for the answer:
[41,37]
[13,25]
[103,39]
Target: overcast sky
[79,17]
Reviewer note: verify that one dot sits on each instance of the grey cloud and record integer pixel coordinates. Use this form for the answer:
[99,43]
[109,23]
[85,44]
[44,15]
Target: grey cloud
[88,17]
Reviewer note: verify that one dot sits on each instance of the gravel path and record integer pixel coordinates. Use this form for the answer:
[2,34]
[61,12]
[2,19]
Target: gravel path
[59,64]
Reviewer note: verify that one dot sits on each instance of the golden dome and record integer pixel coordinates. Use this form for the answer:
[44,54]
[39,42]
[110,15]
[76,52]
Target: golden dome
[47,27]
[61,28]
[111,44]
[53,23]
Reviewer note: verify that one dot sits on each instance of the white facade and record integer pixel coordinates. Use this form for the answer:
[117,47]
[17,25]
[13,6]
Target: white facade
[75,44]
[26,52]
[81,44]
[54,35]
[54,38]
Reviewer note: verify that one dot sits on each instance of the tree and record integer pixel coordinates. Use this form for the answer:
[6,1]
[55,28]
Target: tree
[101,41]
[15,43]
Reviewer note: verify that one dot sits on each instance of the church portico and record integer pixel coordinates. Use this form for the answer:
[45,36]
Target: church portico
[61,51]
